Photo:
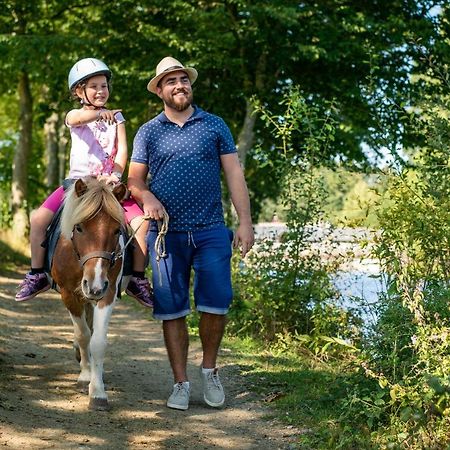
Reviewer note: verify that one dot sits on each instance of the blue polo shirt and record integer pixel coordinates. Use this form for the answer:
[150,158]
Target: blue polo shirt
[184,167]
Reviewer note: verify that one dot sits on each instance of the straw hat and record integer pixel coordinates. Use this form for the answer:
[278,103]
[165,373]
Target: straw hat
[166,66]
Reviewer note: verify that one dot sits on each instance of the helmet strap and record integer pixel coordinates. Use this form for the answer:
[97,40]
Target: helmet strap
[87,101]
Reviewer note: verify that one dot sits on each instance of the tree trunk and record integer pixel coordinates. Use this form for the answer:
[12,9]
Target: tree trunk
[51,130]
[20,163]
[62,148]
[246,136]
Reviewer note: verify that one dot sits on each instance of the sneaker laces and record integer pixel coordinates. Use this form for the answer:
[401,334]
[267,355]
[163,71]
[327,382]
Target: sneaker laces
[30,280]
[142,283]
[213,377]
[181,388]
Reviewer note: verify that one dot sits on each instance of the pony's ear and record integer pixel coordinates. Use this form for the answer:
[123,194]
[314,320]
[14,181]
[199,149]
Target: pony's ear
[80,187]
[119,191]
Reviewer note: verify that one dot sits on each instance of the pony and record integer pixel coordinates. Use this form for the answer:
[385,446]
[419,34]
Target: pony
[87,267]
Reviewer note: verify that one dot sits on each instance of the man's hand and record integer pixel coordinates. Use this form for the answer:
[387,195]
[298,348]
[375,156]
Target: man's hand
[244,238]
[152,207]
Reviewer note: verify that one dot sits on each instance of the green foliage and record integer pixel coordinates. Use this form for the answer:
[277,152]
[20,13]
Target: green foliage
[290,292]
[408,351]
[255,48]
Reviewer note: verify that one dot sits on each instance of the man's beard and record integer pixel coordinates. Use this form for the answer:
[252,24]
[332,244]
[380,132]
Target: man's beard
[179,106]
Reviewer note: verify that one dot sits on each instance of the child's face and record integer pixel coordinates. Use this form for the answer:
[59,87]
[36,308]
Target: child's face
[95,91]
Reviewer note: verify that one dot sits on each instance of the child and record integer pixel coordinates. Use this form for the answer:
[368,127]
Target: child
[99,148]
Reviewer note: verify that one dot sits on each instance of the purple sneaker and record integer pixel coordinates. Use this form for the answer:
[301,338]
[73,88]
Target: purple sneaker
[140,289]
[32,286]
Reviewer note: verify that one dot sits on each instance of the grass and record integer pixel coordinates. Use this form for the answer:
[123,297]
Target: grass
[13,257]
[301,390]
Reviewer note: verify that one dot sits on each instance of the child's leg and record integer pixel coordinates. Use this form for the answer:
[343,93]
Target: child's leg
[140,248]
[138,286]
[39,221]
[36,280]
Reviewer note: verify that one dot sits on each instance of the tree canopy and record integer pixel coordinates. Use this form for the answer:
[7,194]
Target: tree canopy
[358,56]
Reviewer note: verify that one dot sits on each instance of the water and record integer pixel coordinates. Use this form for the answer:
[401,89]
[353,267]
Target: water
[360,290]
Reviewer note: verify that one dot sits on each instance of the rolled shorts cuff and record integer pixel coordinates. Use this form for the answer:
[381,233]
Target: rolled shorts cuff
[173,316]
[208,309]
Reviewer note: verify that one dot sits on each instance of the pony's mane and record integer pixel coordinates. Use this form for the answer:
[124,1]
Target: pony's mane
[80,209]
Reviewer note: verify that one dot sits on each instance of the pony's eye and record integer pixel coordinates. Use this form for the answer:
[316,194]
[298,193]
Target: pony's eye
[78,228]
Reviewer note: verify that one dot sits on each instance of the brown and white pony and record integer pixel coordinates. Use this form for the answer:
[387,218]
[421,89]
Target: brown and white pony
[87,266]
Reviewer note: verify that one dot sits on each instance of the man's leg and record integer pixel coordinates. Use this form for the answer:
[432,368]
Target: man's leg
[212,327]
[171,286]
[177,343]
[213,294]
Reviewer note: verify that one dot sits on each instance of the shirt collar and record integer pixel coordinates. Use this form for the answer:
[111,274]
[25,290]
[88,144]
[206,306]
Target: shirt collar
[197,114]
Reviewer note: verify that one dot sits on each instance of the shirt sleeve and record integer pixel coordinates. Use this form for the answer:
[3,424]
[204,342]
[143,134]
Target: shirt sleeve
[226,141]
[140,147]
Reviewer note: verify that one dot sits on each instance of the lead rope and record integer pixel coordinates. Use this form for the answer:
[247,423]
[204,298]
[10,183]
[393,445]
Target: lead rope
[133,233]
[160,242]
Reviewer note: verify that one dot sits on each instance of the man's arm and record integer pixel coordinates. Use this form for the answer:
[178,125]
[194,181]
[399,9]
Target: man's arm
[234,176]
[137,184]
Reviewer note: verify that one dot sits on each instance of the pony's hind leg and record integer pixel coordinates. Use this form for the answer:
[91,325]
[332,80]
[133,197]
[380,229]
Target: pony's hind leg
[98,399]
[82,335]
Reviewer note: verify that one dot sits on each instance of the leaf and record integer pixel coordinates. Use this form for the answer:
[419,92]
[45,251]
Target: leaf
[406,413]
[393,393]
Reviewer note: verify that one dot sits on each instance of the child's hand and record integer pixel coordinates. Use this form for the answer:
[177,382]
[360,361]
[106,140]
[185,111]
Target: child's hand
[107,115]
[109,179]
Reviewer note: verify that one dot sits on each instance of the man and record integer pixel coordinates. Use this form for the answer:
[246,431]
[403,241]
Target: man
[183,150]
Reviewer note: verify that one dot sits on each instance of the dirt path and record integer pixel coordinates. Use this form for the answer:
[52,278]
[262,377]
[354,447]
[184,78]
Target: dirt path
[40,407]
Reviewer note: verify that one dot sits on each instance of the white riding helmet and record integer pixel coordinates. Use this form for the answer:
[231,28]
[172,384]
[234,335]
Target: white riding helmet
[87,68]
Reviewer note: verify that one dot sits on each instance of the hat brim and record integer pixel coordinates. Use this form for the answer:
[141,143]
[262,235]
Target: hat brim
[191,73]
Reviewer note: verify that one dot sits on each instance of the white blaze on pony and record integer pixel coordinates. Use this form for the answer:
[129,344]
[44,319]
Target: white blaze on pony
[87,266]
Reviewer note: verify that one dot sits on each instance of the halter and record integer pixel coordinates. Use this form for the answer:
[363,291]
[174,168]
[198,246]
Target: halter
[112,257]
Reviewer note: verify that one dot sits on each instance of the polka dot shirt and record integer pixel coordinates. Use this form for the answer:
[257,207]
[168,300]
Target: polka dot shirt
[184,167]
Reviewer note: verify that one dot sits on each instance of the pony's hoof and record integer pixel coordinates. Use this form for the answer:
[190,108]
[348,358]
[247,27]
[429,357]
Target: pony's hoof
[83,387]
[99,404]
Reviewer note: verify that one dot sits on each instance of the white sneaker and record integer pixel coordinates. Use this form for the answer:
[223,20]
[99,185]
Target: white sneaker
[212,388]
[179,399]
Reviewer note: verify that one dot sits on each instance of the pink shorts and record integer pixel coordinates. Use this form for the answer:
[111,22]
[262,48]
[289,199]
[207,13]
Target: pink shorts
[55,200]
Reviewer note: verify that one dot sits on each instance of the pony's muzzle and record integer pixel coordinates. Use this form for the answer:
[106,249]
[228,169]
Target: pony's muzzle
[94,291]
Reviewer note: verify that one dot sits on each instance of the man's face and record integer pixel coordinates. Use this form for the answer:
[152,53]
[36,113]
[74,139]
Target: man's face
[175,90]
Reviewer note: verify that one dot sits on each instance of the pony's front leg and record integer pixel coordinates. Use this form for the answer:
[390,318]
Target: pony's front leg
[98,399]
[82,335]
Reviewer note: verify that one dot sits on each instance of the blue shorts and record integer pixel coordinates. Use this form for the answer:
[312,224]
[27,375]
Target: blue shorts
[208,252]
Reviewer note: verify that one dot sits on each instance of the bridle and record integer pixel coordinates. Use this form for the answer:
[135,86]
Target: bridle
[112,257]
